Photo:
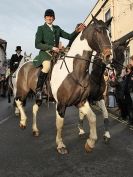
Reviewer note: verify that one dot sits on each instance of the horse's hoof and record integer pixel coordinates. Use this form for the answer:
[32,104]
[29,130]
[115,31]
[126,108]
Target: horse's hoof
[36,133]
[106,139]
[62,150]
[82,136]
[22,126]
[88,148]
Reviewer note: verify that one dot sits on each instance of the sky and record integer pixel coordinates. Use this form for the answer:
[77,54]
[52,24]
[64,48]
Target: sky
[20,19]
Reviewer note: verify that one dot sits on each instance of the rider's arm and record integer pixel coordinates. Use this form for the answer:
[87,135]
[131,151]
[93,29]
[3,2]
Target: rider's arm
[66,35]
[39,44]
[80,27]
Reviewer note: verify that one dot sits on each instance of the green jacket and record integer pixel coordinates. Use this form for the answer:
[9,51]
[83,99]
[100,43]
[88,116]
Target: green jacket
[46,39]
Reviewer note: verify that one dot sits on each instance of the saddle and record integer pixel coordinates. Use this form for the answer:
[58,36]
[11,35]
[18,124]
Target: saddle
[47,93]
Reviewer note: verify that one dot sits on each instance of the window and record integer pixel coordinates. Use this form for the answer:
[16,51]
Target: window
[127,55]
[107,17]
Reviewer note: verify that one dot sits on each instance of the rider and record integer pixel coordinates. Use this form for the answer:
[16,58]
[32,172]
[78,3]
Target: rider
[47,39]
[15,60]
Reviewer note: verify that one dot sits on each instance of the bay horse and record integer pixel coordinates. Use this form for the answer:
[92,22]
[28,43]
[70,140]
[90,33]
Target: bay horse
[70,84]
[97,88]
[98,83]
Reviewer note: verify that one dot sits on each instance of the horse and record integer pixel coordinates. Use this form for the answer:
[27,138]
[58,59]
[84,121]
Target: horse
[98,83]
[97,88]
[11,79]
[70,81]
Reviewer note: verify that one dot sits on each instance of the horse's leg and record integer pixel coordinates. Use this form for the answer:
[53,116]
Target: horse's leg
[17,112]
[102,105]
[60,112]
[9,94]
[80,124]
[23,116]
[86,111]
[34,124]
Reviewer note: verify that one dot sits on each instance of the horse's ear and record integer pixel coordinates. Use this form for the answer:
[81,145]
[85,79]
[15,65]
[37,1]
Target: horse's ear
[24,53]
[30,54]
[126,44]
[94,19]
[107,23]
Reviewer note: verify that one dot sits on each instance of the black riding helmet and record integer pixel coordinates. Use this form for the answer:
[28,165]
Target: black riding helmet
[49,12]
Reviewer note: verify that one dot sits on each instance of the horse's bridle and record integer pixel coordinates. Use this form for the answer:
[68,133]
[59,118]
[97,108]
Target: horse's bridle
[62,57]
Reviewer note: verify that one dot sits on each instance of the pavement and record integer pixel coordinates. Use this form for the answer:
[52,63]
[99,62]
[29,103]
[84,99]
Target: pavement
[22,155]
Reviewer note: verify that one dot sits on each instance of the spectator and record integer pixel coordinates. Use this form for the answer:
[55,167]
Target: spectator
[129,91]
[111,89]
[120,96]
[3,86]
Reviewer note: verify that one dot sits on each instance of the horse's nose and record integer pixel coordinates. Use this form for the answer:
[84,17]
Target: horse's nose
[107,52]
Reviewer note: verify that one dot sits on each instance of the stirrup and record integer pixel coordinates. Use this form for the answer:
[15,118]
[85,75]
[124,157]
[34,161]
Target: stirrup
[38,95]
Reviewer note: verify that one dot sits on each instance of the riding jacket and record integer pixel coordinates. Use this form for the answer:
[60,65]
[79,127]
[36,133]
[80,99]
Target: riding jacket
[14,62]
[46,39]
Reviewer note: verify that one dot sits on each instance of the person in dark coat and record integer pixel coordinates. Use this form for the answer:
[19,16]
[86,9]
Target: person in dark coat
[15,60]
[129,92]
[120,96]
[47,40]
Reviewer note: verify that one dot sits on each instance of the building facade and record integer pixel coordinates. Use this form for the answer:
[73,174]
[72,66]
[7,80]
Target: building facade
[121,12]
[3,45]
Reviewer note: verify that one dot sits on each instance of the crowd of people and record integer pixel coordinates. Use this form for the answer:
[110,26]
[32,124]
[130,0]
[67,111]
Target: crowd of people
[120,92]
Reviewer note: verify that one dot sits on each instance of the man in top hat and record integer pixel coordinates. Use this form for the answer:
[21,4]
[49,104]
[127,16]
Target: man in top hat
[47,39]
[15,60]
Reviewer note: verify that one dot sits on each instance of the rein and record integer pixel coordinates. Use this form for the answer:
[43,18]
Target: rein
[123,67]
[62,56]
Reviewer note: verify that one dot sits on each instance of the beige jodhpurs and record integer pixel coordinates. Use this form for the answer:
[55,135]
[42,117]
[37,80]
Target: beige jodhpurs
[46,66]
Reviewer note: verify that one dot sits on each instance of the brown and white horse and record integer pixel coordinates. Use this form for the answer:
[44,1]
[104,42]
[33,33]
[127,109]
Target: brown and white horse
[70,85]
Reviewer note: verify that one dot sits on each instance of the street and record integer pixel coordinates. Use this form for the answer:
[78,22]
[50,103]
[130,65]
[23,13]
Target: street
[22,155]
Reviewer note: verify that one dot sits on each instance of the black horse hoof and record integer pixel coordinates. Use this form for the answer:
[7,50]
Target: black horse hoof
[106,139]
[36,133]
[22,126]
[62,150]
[82,136]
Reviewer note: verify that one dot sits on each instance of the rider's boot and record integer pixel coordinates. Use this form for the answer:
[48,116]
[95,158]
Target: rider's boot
[41,79]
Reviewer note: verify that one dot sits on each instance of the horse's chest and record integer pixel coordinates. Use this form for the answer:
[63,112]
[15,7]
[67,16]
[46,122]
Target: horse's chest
[72,92]
[97,89]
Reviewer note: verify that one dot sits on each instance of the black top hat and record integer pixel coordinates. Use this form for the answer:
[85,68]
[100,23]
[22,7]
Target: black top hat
[18,48]
[49,12]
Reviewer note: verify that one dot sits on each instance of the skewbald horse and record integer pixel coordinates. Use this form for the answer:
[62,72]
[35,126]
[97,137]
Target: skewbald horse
[68,88]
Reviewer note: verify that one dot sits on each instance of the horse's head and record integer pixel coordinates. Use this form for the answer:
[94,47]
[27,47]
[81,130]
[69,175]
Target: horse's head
[27,57]
[98,38]
[119,56]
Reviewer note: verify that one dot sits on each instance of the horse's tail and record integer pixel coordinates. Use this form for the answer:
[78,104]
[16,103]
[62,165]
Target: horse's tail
[10,88]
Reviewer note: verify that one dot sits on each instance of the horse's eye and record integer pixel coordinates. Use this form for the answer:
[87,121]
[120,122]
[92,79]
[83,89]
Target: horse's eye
[98,30]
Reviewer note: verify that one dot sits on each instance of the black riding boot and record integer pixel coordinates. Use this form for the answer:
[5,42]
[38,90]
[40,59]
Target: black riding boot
[41,79]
